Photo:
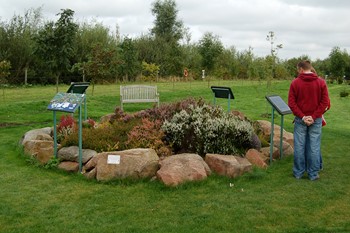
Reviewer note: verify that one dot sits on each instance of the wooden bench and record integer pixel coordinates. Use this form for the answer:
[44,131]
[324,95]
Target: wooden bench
[138,94]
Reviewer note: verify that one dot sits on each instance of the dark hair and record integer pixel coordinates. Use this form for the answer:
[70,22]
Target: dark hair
[305,65]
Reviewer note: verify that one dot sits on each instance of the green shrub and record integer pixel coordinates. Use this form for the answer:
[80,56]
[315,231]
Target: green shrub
[52,163]
[207,129]
[344,93]
[105,137]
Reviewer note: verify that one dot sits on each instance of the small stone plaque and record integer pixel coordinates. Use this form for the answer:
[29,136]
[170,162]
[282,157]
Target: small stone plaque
[113,159]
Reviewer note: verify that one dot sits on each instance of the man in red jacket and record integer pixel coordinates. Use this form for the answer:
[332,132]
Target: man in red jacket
[308,98]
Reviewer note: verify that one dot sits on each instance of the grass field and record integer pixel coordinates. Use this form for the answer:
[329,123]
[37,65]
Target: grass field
[34,199]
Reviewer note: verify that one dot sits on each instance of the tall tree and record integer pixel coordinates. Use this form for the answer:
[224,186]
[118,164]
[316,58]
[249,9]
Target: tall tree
[273,58]
[338,63]
[129,66]
[210,48]
[55,43]
[90,35]
[17,45]
[166,24]
[102,64]
[273,50]
[167,32]
[4,72]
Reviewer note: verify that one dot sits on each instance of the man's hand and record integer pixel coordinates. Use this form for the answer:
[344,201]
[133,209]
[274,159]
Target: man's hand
[308,120]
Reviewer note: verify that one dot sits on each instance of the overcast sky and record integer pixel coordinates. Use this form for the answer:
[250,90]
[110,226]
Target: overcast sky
[311,27]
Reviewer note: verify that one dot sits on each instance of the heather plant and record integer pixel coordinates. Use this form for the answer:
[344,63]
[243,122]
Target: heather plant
[167,111]
[105,137]
[207,129]
[148,135]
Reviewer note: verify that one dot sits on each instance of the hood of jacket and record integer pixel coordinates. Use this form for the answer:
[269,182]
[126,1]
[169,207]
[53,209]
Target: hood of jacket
[308,77]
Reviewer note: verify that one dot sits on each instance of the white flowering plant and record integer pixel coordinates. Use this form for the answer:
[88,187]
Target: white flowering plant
[208,129]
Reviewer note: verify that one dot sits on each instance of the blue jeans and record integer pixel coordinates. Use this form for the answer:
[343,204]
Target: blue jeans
[321,161]
[307,148]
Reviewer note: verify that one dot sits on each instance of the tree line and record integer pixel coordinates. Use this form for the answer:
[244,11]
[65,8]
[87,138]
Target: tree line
[37,51]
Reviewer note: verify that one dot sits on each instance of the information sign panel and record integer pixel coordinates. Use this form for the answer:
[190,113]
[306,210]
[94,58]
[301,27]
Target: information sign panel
[282,108]
[66,102]
[278,104]
[78,87]
[222,92]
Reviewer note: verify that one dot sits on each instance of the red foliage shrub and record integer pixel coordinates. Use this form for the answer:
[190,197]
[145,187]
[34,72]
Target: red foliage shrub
[66,121]
[148,135]
[66,126]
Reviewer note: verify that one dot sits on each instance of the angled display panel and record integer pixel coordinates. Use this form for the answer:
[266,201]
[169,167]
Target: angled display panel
[278,104]
[222,92]
[78,87]
[66,102]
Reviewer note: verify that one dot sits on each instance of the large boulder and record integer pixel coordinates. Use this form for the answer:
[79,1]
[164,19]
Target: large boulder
[43,134]
[256,158]
[265,152]
[265,127]
[287,149]
[228,165]
[134,164]
[177,169]
[72,154]
[42,150]
[89,169]
[69,166]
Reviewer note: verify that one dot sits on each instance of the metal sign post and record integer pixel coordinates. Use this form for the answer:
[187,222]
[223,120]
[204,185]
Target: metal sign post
[223,92]
[67,102]
[282,108]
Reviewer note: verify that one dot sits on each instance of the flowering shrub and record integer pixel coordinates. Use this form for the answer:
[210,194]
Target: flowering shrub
[106,137]
[66,126]
[185,126]
[207,129]
[148,135]
[167,111]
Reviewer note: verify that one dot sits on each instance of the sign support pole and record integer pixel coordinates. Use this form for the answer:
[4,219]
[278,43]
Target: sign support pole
[281,136]
[271,135]
[80,141]
[85,109]
[54,134]
[229,104]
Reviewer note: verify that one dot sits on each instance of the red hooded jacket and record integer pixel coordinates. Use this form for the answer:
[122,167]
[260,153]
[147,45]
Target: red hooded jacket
[308,96]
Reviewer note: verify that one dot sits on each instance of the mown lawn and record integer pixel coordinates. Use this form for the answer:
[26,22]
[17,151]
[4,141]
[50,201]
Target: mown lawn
[34,199]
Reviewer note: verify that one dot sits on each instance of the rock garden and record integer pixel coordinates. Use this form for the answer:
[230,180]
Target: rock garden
[174,143]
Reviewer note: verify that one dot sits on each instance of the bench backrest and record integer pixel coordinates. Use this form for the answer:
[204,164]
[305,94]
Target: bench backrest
[138,92]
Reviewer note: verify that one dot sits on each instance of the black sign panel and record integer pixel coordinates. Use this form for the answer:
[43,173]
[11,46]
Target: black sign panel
[78,87]
[222,92]
[278,104]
